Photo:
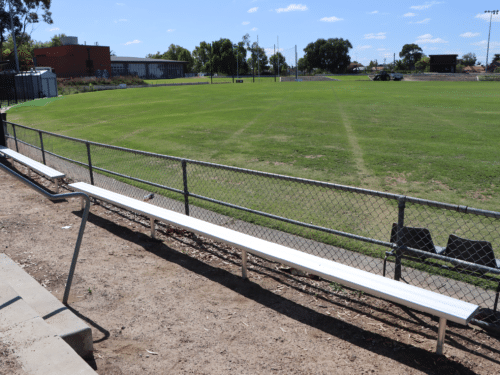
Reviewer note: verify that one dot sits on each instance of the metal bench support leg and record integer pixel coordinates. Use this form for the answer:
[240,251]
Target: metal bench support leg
[441,334]
[244,265]
[29,173]
[57,185]
[496,299]
[83,202]
[153,235]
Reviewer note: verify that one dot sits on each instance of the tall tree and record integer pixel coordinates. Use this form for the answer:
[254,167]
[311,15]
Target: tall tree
[240,53]
[223,58]
[175,53]
[469,59]
[331,55]
[276,59]
[201,55]
[26,13]
[258,58]
[411,53]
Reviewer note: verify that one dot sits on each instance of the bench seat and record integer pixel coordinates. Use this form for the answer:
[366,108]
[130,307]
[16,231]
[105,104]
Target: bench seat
[31,164]
[446,308]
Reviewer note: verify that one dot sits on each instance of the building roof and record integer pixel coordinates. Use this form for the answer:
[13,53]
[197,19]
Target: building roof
[476,69]
[141,60]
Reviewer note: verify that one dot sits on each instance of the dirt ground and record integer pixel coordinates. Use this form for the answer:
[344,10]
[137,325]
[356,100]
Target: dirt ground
[178,304]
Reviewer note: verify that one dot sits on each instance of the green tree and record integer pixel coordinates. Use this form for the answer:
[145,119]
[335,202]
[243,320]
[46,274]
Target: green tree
[411,53]
[278,59]
[258,59]
[302,65]
[201,55]
[423,64]
[223,58]
[496,57]
[26,13]
[469,59]
[330,55]
[175,53]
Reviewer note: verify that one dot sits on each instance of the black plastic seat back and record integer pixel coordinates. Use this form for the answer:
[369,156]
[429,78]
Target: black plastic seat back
[478,252]
[417,238]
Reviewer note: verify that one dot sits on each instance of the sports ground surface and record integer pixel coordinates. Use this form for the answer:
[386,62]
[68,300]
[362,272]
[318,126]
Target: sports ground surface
[435,140]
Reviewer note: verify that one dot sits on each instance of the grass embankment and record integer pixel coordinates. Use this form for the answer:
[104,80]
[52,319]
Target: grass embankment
[434,140]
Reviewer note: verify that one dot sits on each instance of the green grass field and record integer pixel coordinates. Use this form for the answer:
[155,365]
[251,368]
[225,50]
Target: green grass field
[433,140]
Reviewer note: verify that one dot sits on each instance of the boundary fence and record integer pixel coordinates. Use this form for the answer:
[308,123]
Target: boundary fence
[438,246]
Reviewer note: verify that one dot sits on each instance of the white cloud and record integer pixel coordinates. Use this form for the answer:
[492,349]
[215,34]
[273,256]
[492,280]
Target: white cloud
[375,36]
[292,7]
[484,43]
[170,30]
[331,19]
[487,16]
[381,49]
[469,35]
[133,42]
[253,10]
[374,12]
[409,14]
[54,29]
[427,5]
[364,47]
[245,23]
[427,38]
[254,29]
[427,20]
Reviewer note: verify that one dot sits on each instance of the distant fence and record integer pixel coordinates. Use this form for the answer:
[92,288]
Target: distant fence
[18,88]
[442,247]
[118,87]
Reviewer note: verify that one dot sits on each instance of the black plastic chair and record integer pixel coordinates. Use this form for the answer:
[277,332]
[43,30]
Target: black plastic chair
[417,238]
[478,252]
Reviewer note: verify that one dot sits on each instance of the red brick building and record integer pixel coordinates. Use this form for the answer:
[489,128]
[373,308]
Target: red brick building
[75,60]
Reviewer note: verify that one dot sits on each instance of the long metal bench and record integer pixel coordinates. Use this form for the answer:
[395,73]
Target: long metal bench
[31,164]
[444,307]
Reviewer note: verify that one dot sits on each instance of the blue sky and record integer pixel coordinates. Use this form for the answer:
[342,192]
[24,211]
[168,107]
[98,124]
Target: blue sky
[376,30]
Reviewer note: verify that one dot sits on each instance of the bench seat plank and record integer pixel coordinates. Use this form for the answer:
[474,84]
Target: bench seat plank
[33,164]
[420,299]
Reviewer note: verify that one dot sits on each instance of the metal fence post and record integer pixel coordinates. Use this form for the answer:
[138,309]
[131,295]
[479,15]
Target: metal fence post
[186,192]
[15,137]
[3,128]
[90,164]
[399,237]
[41,146]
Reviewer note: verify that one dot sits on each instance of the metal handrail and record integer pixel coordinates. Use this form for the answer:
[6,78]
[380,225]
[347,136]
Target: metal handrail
[54,197]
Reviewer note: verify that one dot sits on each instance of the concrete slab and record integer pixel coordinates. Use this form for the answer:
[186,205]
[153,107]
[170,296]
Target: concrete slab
[66,324]
[13,309]
[42,352]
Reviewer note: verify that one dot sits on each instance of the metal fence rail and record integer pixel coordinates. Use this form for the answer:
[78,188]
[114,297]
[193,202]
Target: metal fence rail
[442,247]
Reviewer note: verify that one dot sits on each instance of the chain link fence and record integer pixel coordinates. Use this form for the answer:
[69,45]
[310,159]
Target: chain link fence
[442,247]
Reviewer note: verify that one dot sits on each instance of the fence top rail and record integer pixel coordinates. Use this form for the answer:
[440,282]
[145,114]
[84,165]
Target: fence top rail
[380,194]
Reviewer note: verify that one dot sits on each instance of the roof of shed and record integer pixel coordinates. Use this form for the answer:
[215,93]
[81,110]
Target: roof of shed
[141,60]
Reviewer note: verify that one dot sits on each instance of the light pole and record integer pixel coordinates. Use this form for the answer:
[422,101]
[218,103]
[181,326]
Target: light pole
[492,12]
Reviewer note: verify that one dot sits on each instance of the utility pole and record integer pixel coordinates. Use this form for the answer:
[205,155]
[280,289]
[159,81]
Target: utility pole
[278,59]
[13,37]
[296,66]
[258,57]
[492,12]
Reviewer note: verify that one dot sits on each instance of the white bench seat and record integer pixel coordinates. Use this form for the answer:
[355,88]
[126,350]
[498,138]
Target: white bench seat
[31,164]
[444,307]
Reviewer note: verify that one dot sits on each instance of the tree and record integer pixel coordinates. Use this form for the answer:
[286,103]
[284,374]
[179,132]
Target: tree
[240,53]
[423,64]
[469,59]
[201,56]
[330,55]
[496,57]
[25,13]
[258,58]
[302,65]
[278,59]
[411,53]
[400,65]
[222,58]
[175,53]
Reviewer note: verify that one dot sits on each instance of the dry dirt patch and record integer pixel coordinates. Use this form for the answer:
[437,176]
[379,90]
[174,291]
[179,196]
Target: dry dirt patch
[177,305]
